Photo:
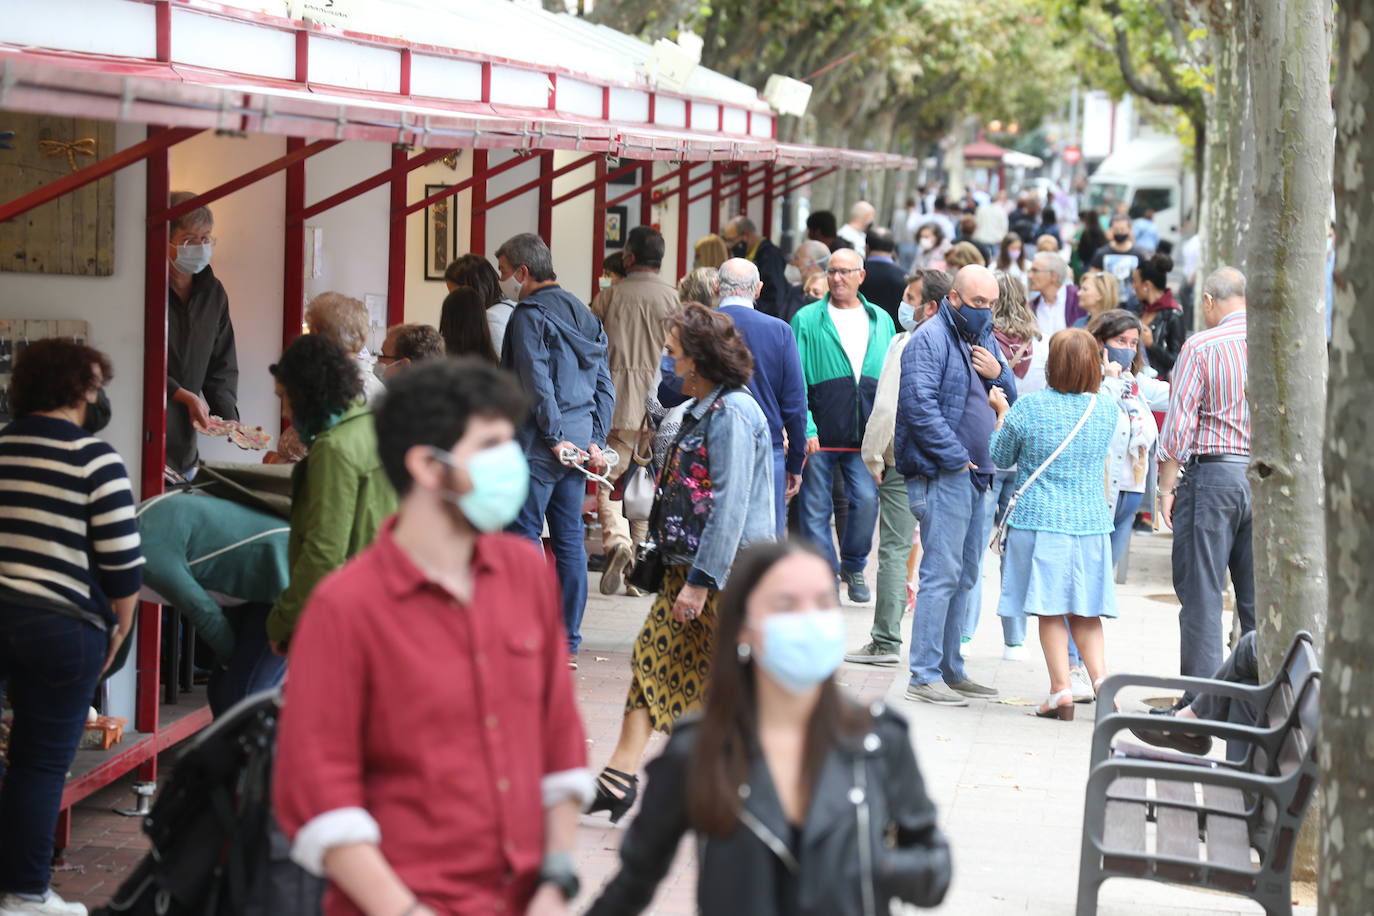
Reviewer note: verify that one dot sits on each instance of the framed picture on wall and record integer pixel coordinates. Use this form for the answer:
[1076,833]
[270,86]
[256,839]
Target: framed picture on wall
[616,226]
[440,233]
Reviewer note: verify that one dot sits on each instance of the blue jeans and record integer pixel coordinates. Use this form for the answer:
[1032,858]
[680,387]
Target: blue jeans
[52,664]
[816,506]
[1127,504]
[952,513]
[780,491]
[558,493]
[254,667]
[1013,628]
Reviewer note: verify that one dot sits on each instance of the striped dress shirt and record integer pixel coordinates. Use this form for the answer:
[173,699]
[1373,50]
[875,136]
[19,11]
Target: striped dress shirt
[1208,413]
[68,538]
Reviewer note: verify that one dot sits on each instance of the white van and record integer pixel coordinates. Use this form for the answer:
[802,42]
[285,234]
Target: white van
[1146,174]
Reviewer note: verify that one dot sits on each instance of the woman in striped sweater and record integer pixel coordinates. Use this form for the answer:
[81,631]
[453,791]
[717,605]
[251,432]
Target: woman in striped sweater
[70,571]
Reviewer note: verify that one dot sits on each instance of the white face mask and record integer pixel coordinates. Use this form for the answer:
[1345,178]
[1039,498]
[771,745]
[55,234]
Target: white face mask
[793,273]
[510,287]
[192,259]
[603,282]
[926,243]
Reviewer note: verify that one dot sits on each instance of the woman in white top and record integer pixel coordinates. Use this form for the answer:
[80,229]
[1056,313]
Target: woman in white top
[476,271]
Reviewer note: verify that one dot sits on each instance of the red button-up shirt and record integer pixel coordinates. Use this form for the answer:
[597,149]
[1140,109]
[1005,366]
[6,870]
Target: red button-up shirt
[439,719]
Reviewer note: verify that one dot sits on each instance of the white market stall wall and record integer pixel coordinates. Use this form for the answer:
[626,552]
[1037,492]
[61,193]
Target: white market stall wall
[424,298]
[248,261]
[573,237]
[113,306]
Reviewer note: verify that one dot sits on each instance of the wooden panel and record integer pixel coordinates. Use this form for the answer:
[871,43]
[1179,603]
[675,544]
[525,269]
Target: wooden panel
[75,233]
[1124,827]
[1228,838]
[1176,829]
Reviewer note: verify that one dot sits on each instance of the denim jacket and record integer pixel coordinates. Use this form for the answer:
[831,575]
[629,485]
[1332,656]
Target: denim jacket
[715,495]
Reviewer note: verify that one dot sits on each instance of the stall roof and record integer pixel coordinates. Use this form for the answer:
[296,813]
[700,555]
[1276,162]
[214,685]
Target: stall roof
[195,63]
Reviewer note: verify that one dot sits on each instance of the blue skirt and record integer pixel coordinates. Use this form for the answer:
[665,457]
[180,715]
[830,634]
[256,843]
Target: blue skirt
[1047,574]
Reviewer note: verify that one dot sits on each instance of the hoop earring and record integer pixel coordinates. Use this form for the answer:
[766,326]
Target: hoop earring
[744,651]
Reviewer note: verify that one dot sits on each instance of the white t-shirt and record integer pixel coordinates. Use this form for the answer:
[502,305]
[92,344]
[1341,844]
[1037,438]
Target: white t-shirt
[854,237]
[852,325]
[1051,315]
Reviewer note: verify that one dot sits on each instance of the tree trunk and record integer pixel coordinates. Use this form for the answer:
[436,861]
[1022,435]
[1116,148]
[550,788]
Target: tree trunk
[1348,666]
[1290,91]
[1227,107]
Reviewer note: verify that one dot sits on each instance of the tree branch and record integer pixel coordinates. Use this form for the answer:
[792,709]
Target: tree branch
[1134,81]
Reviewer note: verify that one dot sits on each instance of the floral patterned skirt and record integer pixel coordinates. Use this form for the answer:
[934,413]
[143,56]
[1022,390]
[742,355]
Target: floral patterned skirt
[671,663]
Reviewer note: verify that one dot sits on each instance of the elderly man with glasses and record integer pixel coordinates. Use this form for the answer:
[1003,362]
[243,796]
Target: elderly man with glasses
[202,362]
[842,338]
[944,424]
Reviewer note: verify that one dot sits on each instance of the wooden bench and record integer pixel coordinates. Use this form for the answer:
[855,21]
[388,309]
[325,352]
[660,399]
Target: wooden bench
[1183,819]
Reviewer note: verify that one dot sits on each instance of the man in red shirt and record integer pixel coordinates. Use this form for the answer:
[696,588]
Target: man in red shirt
[431,758]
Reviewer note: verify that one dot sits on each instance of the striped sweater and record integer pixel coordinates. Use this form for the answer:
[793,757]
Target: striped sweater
[68,539]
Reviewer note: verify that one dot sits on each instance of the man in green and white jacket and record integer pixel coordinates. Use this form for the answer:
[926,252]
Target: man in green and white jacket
[842,339]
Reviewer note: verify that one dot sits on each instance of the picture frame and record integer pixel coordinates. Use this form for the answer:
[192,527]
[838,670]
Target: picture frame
[440,233]
[617,226]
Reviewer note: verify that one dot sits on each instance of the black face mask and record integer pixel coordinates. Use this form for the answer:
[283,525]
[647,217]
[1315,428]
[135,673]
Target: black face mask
[97,414]
[1121,238]
[739,249]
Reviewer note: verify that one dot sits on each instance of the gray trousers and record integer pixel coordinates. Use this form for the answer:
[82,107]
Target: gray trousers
[1240,667]
[1212,533]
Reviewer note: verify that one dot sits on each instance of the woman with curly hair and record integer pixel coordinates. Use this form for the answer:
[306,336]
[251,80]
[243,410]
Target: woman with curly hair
[339,492]
[715,496]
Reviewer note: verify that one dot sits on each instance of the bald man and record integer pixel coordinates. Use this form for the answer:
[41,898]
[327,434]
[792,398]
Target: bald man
[944,425]
[855,232]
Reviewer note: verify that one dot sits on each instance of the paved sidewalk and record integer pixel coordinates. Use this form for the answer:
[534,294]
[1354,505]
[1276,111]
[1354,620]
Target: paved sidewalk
[1009,786]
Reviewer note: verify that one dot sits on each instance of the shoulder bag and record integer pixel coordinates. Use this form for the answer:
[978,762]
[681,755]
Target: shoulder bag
[635,487]
[999,537]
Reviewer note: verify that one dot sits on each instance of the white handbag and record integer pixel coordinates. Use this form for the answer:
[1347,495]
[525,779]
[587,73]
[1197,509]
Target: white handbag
[638,495]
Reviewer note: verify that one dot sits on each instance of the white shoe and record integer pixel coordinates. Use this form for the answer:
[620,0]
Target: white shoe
[1080,685]
[50,905]
[1014,653]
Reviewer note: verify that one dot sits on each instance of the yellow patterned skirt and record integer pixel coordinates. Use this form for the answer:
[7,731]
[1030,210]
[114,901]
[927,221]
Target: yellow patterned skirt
[671,663]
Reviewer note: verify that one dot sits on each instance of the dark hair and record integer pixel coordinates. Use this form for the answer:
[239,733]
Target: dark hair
[614,264]
[1093,237]
[941,203]
[711,340]
[881,239]
[463,325]
[822,222]
[476,271]
[1075,362]
[935,284]
[52,373]
[728,731]
[968,225]
[1048,217]
[528,250]
[1003,259]
[935,230]
[417,342]
[1154,270]
[1118,321]
[431,403]
[320,379]
[647,245]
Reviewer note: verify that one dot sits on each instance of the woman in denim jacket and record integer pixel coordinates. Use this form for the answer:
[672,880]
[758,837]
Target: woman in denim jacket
[715,496]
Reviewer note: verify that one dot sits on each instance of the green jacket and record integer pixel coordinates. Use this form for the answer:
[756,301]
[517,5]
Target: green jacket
[339,497]
[202,550]
[839,403]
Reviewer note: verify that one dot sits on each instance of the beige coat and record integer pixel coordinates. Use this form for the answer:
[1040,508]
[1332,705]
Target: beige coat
[632,312]
[882,422]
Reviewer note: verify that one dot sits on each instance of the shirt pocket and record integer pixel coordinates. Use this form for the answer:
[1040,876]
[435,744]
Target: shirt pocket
[525,661]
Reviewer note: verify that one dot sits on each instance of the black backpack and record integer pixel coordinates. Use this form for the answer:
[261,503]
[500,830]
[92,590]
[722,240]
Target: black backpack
[217,850]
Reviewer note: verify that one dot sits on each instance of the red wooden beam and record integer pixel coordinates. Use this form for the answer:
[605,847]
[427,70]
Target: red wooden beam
[768,203]
[293,250]
[367,184]
[545,204]
[157,142]
[682,226]
[480,173]
[801,184]
[646,198]
[721,187]
[714,193]
[162,18]
[599,218]
[543,179]
[767,185]
[294,156]
[396,240]
[667,176]
[602,179]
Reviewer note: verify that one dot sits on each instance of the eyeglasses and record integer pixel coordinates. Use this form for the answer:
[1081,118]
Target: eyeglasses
[387,356]
[841,271]
[202,240]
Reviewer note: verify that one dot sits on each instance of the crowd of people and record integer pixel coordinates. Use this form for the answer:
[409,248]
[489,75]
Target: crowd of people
[954,381]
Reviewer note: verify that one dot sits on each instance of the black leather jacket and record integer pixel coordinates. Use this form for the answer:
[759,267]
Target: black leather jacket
[870,835]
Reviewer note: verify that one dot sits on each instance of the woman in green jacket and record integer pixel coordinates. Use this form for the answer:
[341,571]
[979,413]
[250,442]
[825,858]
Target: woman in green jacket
[339,493]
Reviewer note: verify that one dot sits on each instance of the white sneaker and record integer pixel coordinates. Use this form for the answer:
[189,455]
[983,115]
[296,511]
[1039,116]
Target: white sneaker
[1014,653]
[1080,685]
[50,905]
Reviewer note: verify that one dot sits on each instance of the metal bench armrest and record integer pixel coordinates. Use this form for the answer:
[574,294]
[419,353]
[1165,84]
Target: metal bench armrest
[1106,697]
[1108,725]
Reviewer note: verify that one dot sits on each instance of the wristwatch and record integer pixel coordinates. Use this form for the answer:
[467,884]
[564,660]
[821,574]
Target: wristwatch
[557,869]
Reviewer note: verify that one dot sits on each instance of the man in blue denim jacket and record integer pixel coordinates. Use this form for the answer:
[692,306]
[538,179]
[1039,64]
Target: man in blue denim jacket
[944,424]
[558,349]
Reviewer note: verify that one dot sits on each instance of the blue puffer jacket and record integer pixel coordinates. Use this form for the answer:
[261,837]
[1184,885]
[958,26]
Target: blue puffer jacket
[933,393]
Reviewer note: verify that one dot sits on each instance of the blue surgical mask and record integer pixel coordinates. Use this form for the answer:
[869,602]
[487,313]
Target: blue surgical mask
[802,648]
[192,259]
[1122,356]
[972,322]
[500,481]
[906,317]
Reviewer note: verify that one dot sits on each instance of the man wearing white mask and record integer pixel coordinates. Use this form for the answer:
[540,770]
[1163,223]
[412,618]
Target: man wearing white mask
[896,524]
[202,363]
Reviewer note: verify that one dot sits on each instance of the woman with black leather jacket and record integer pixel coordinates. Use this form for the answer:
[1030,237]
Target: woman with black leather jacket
[804,802]
[1160,313]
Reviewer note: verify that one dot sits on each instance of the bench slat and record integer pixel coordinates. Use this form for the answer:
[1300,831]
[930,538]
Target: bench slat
[1176,829]
[1124,826]
[1228,838]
